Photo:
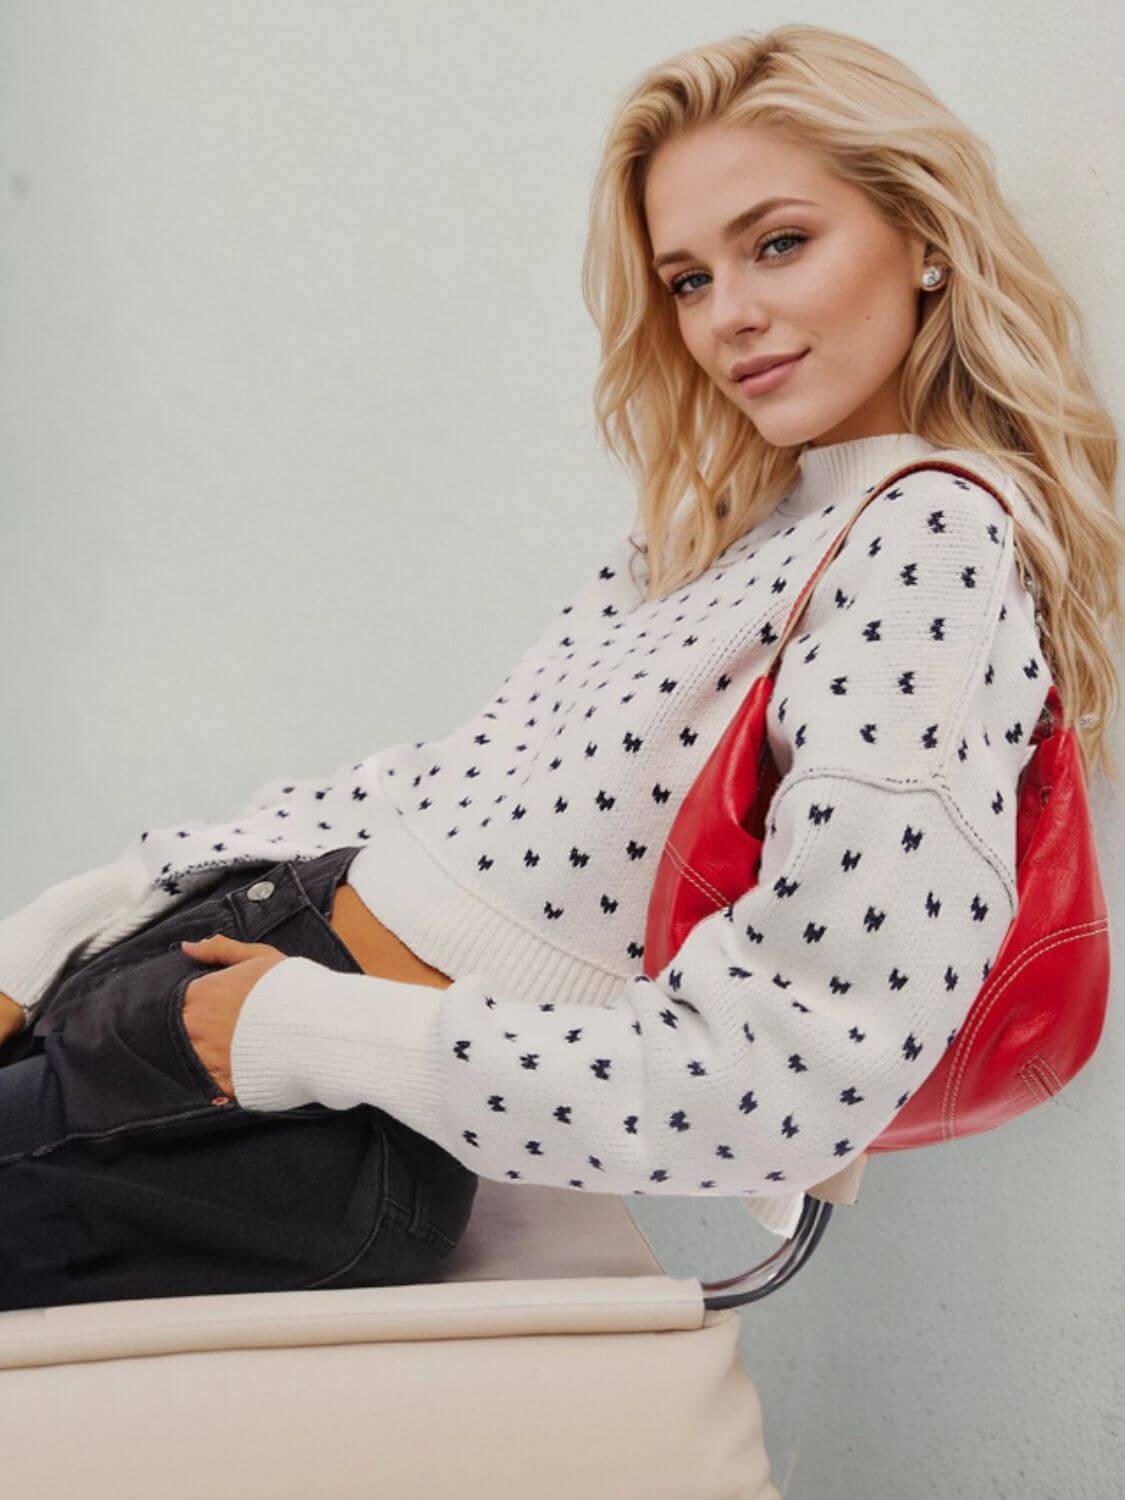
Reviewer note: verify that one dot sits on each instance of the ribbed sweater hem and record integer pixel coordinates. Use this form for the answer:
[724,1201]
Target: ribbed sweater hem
[457,931]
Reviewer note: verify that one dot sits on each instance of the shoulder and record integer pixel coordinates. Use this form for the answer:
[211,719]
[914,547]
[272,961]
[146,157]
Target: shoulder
[964,482]
[946,529]
[943,531]
[901,631]
[960,482]
[963,503]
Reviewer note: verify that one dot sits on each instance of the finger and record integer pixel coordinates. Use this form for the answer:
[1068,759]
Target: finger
[217,948]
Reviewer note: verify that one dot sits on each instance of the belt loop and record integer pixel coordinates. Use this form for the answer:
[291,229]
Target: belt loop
[319,877]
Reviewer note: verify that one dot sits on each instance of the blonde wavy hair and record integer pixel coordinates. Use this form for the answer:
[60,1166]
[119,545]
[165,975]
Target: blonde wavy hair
[994,367]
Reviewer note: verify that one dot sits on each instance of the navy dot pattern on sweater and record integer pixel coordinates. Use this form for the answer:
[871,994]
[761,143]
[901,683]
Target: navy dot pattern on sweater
[785,1034]
[793,1025]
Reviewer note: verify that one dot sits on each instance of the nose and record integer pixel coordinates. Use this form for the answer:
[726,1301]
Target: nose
[735,312]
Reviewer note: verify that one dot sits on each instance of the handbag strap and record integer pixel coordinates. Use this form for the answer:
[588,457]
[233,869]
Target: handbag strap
[950,467]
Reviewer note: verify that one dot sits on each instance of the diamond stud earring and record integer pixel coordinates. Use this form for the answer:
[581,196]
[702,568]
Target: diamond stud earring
[931,276]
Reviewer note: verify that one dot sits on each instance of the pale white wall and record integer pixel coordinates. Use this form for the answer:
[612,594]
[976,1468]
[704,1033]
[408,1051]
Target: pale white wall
[296,454]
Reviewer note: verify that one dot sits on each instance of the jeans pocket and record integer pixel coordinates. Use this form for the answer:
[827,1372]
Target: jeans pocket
[436,1190]
[355,1193]
[443,1205]
[192,1063]
[119,1058]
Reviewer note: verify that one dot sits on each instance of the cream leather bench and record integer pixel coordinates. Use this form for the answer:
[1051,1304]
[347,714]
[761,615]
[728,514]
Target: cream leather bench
[554,1360]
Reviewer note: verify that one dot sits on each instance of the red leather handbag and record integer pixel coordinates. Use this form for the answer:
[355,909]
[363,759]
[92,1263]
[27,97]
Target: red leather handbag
[1039,1015]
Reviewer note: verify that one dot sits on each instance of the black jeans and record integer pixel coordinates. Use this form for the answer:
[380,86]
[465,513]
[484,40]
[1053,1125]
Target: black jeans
[125,1173]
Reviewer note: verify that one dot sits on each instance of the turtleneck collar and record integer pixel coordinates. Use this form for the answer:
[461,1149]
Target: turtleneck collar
[842,472]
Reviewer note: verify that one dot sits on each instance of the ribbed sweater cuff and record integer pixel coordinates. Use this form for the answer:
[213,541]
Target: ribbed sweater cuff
[308,1034]
[37,940]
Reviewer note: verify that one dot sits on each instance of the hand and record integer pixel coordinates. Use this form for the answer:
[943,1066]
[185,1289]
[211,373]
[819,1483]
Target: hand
[12,1017]
[213,1001]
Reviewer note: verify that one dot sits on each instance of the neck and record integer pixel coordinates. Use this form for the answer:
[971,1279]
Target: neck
[844,471]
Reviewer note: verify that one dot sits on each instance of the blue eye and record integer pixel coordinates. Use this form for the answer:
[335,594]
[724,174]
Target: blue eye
[679,288]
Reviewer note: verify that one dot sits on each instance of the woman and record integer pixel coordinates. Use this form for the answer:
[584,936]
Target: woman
[426,967]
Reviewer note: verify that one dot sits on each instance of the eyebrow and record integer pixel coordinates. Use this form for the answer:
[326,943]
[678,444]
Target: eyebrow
[737,226]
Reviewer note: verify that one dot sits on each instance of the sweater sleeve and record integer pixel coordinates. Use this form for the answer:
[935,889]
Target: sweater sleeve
[792,1025]
[780,1040]
[87,913]
[84,914]
[37,940]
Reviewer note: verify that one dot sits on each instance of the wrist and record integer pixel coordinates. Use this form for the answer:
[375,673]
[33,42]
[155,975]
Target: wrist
[13,1017]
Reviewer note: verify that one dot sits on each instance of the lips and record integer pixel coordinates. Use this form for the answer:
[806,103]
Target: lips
[776,365]
[760,366]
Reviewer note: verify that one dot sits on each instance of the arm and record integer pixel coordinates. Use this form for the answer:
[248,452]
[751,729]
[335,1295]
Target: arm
[88,913]
[779,1041]
[91,911]
[791,1026]
[12,1017]
[94,910]
[37,940]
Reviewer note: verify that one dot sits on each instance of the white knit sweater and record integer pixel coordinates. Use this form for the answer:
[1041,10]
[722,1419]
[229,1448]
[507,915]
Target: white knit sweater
[517,855]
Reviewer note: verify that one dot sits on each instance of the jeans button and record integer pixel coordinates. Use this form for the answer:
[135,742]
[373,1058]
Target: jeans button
[261,890]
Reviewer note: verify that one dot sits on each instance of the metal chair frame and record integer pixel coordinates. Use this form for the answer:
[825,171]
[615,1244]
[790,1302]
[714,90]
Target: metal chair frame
[787,1260]
[784,1263]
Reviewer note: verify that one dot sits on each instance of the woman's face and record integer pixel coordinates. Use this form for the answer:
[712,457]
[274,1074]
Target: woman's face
[827,276]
